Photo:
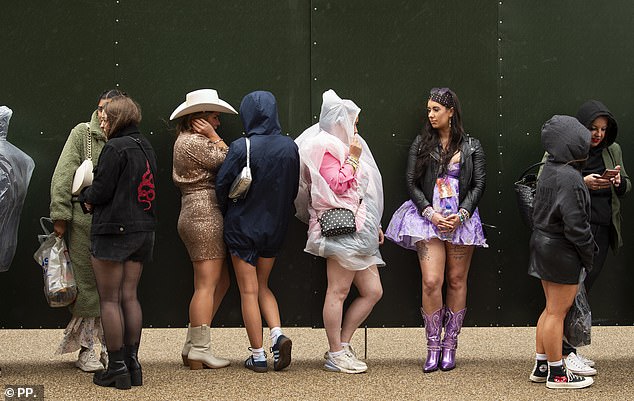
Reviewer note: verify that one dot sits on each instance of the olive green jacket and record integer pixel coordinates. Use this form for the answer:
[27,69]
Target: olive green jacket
[63,207]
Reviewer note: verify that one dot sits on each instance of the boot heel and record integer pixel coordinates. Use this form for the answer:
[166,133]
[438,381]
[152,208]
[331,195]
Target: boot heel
[123,382]
[195,365]
[185,360]
[136,377]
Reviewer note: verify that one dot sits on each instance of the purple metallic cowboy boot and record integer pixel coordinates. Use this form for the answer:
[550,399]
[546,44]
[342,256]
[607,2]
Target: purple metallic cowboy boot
[453,324]
[433,327]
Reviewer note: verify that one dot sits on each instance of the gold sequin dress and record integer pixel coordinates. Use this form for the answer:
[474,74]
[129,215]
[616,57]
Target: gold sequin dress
[196,163]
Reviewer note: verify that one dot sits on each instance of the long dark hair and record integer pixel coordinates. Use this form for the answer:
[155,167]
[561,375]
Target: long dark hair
[431,140]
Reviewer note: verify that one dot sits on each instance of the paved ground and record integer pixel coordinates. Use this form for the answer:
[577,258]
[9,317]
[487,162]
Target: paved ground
[493,364]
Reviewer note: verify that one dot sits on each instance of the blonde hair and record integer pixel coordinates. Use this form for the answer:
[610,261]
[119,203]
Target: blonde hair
[121,112]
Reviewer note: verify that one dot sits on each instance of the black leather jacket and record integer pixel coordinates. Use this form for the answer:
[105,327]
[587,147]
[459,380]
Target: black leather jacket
[472,178]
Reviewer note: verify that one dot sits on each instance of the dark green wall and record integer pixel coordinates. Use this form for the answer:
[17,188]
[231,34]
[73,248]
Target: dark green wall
[512,63]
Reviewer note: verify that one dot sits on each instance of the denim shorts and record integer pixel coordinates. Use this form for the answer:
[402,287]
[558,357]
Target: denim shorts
[137,247]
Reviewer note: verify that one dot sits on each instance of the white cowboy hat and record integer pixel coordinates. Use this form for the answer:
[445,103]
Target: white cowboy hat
[202,100]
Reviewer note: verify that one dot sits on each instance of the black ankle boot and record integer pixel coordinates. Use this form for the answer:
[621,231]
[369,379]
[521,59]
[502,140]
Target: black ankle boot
[116,375]
[132,362]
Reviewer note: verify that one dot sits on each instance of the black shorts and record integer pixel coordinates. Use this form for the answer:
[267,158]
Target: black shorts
[137,247]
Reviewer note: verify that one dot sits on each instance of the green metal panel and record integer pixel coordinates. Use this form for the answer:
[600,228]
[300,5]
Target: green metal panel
[554,56]
[52,71]
[512,63]
[386,56]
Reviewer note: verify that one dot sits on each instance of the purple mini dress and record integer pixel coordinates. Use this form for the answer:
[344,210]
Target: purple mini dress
[407,226]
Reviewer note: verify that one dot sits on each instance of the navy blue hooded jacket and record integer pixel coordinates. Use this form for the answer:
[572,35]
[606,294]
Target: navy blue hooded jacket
[259,222]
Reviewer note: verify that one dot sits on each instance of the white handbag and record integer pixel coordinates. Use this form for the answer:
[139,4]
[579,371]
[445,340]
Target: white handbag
[242,183]
[83,175]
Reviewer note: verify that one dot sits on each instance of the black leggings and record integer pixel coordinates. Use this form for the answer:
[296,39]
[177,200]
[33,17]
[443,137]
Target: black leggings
[121,315]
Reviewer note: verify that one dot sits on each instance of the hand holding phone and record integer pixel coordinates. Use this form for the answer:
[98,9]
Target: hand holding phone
[609,174]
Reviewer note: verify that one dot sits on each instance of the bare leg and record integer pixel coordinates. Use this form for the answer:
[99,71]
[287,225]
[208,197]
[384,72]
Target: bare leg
[368,282]
[431,257]
[267,301]
[221,288]
[559,298]
[246,275]
[458,262]
[339,282]
[207,276]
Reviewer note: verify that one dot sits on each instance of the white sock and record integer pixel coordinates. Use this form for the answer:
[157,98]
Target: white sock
[540,357]
[335,354]
[556,363]
[344,344]
[276,332]
[258,354]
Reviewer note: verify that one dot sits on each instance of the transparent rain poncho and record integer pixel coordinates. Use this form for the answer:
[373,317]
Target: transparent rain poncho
[365,198]
[16,168]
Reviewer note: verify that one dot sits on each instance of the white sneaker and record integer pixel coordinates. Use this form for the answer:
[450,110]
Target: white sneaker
[585,360]
[359,363]
[103,358]
[575,365]
[88,361]
[347,348]
[344,363]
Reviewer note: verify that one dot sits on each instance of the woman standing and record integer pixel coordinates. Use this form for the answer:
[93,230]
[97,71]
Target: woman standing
[256,225]
[445,179]
[198,153]
[605,193]
[339,172]
[605,205]
[85,328]
[561,243]
[122,199]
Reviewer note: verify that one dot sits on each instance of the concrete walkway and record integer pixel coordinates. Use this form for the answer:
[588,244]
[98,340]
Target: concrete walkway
[493,364]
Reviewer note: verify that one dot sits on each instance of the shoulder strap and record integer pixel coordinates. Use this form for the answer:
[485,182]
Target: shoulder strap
[138,142]
[248,152]
[88,143]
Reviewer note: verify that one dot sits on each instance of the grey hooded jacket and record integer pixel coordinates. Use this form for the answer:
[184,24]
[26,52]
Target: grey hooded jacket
[562,200]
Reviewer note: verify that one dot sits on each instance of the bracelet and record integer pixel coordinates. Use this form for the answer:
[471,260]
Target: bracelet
[216,141]
[428,213]
[354,162]
[464,215]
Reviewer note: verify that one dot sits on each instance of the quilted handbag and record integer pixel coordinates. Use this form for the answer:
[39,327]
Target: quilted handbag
[338,221]
[525,192]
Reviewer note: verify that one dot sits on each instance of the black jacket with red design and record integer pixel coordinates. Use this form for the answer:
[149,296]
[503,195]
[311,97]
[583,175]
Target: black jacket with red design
[122,193]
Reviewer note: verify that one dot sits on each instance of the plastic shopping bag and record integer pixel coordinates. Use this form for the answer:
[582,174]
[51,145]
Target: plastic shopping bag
[578,322]
[60,288]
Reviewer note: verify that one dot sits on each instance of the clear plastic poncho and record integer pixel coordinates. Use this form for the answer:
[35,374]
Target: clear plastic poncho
[332,134]
[16,168]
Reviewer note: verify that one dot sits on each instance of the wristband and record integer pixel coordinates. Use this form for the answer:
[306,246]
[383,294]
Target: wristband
[428,213]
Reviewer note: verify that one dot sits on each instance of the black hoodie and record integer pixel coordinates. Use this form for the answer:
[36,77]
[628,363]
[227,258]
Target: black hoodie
[601,199]
[562,201]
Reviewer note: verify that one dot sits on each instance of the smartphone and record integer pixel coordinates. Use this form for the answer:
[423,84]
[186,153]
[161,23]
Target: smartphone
[609,173]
